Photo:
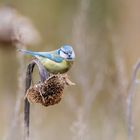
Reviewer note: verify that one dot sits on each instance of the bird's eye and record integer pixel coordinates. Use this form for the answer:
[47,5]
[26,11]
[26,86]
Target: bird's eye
[70,52]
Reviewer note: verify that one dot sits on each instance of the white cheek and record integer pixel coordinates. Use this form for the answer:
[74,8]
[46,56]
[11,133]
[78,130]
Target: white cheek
[73,55]
[63,55]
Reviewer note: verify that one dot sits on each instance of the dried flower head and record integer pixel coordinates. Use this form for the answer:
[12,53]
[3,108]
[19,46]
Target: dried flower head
[49,92]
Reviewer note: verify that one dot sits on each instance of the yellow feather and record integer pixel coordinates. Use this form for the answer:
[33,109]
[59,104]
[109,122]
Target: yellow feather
[54,67]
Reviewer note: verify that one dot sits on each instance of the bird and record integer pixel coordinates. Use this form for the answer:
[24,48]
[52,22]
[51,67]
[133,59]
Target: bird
[56,62]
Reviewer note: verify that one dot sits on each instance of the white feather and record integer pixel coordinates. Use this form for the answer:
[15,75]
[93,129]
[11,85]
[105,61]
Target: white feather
[63,55]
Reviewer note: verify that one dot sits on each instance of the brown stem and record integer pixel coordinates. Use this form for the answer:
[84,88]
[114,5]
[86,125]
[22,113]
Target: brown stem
[43,75]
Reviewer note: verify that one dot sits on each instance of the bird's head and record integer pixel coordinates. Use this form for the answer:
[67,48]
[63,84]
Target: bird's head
[67,52]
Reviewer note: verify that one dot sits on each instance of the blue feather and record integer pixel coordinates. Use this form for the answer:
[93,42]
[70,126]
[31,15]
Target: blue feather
[54,56]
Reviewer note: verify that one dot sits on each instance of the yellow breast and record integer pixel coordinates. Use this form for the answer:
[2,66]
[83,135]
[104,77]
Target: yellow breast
[54,67]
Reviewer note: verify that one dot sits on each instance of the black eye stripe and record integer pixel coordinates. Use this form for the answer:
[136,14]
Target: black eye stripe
[66,52]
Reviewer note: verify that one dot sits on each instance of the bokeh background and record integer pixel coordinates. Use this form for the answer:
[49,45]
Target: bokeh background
[105,35]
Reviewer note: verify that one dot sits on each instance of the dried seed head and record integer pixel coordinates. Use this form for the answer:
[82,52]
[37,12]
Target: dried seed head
[50,92]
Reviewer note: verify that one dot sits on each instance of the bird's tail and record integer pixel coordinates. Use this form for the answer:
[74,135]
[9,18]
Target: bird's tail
[26,52]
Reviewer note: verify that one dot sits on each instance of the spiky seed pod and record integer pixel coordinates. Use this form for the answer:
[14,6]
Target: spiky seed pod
[49,92]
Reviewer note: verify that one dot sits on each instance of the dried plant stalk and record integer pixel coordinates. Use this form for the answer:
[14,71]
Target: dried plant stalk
[48,92]
[43,76]
[130,96]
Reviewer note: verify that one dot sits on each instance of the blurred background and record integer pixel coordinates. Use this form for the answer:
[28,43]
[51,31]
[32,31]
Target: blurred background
[105,35]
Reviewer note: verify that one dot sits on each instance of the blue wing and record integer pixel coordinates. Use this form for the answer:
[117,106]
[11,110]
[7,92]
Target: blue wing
[54,56]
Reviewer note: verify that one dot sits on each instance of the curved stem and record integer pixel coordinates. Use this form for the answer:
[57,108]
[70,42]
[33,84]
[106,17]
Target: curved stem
[42,71]
[131,92]
[43,76]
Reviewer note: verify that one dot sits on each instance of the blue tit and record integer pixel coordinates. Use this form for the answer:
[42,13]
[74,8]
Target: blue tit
[57,61]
